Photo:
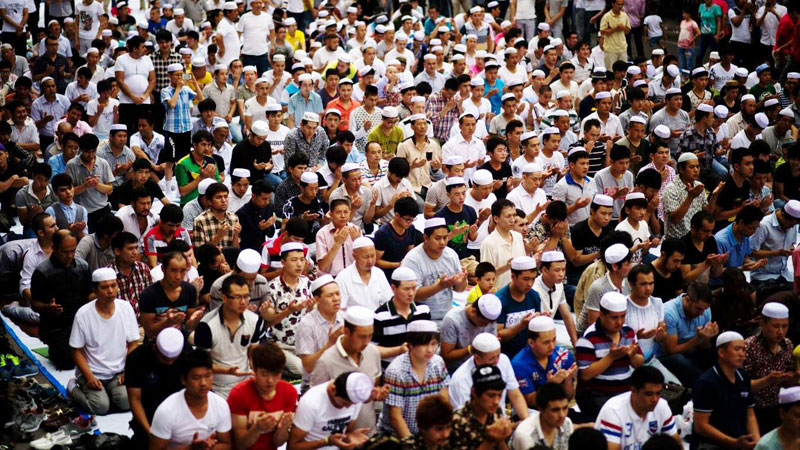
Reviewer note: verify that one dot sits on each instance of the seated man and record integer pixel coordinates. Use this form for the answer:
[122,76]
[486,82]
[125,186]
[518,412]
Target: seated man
[133,276]
[667,269]
[104,332]
[480,422]
[774,238]
[520,303]
[617,259]
[435,421]
[462,324]
[334,241]
[95,248]
[735,239]
[248,264]
[788,401]
[720,418]
[156,239]
[217,225]
[607,354]
[172,301]
[549,426]
[361,283]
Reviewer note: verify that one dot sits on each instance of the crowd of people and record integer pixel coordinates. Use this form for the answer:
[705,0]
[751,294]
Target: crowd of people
[454,225]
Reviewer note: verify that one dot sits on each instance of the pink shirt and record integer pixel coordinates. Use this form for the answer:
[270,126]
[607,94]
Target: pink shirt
[80,128]
[325,242]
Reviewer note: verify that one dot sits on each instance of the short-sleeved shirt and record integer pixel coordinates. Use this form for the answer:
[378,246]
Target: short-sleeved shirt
[461,381]
[674,195]
[316,415]
[531,375]
[282,295]
[157,381]
[457,329]
[666,287]
[91,199]
[731,197]
[623,426]
[760,361]
[592,347]
[726,402]
[593,295]
[174,422]
[708,18]
[513,312]
[187,170]
[584,240]
[737,251]
[104,340]
[391,328]
[677,323]
[429,271]
[156,244]
[154,300]
[467,216]
[394,245]
[244,399]
[406,389]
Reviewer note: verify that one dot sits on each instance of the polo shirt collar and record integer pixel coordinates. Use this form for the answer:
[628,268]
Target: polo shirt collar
[571,181]
[721,375]
[393,310]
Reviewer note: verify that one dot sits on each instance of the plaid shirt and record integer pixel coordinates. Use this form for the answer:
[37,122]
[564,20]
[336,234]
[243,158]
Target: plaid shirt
[178,119]
[441,123]
[160,64]
[406,390]
[468,433]
[296,142]
[131,286]
[206,226]
[692,141]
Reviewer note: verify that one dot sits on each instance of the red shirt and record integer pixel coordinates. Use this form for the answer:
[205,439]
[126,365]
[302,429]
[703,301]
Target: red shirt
[784,33]
[337,104]
[723,6]
[795,47]
[244,400]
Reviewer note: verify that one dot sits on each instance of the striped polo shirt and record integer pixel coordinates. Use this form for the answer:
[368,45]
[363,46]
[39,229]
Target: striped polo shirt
[592,347]
[390,327]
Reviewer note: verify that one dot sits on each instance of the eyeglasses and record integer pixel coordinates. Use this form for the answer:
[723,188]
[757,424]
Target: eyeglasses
[408,219]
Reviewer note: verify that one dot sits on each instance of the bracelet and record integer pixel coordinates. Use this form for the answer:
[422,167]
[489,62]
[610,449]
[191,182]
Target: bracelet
[469,349]
[327,440]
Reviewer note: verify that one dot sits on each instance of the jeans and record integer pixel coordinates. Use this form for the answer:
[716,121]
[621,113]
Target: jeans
[719,168]
[686,58]
[707,42]
[261,62]
[636,36]
[654,41]
[274,179]
[528,28]
[687,366]
[580,29]
[100,402]
[236,130]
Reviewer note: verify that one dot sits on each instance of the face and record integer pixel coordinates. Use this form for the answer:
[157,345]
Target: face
[555,413]
[364,258]
[489,400]
[523,282]
[294,263]
[308,128]
[203,148]
[673,261]
[142,206]
[330,297]
[556,273]
[176,271]
[198,381]
[265,380]
[690,170]
[240,187]
[468,126]
[774,330]
[128,254]
[745,168]
[732,353]
[457,195]
[426,351]
[87,155]
[236,299]
[219,202]
[332,121]
[437,241]
[612,321]
[119,138]
[579,168]
[65,253]
[544,344]
[359,338]
[647,397]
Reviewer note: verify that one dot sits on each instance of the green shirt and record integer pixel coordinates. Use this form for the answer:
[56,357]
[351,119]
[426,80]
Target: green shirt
[186,171]
[388,142]
[759,91]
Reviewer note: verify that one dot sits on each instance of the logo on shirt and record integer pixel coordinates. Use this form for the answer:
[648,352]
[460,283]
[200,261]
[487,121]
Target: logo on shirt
[652,427]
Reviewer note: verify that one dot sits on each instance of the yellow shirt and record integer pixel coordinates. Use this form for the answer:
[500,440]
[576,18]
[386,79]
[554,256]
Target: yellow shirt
[201,83]
[295,41]
[615,42]
[474,294]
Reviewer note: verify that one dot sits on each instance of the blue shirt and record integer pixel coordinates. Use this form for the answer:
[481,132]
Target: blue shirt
[726,402]
[496,99]
[677,323]
[770,236]
[738,251]
[178,119]
[70,211]
[299,106]
[513,312]
[58,164]
[531,375]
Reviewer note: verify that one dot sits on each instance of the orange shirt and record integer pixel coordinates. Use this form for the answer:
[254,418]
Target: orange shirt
[337,104]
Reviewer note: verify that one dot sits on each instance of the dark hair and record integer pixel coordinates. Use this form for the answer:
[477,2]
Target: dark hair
[268,356]
[433,410]
[134,42]
[122,239]
[644,375]
[138,193]
[179,245]
[584,438]
[619,152]
[297,227]
[556,210]
[576,155]
[699,291]
[451,84]
[233,279]
[760,166]
[701,217]
[493,143]
[483,268]
[336,155]
[61,236]
[636,270]
[41,169]
[171,213]
[649,178]
[340,386]
[163,35]
[171,256]
[200,136]
[108,225]
[406,206]
[206,254]
[215,189]
[88,142]
[738,154]
[297,159]
[262,187]
[37,223]
[338,202]
[60,181]
[193,359]
[421,338]
[399,167]
[480,389]
[206,104]
[672,245]
[749,214]
[141,164]
[549,392]
[661,442]
[513,125]
[635,93]
[589,124]
[343,136]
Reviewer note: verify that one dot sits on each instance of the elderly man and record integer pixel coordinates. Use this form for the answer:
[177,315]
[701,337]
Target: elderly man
[362,199]
[685,196]
[362,283]
[118,155]
[47,109]
[774,239]
[308,138]
[305,100]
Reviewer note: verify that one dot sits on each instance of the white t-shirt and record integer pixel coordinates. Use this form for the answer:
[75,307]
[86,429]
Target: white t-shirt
[14,10]
[230,39]
[88,19]
[461,382]
[317,415]
[769,28]
[556,161]
[254,109]
[105,341]
[645,318]
[720,76]
[620,424]
[323,56]
[638,236]
[483,231]
[153,149]
[742,32]
[255,32]
[136,75]
[276,140]
[653,23]
[174,421]
[484,108]
[106,119]
[74,91]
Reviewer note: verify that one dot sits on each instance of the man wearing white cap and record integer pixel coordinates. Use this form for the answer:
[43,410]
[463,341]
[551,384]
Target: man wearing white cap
[177,99]
[769,361]
[751,131]
[486,350]
[216,225]
[429,73]
[328,53]
[465,144]
[393,318]
[685,196]
[255,107]
[248,265]
[462,324]
[723,401]
[779,133]
[308,138]
[361,282]
[528,195]
[103,333]
[388,133]
[335,241]
[520,304]
[617,259]
[774,239]
[787,433]
[550,287]
[424,154]
[610,125]
[671,115]
[222,93]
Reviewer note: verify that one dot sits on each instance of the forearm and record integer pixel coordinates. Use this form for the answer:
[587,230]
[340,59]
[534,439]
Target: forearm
[82,363]
[325,263]
[454,354]
[390,352]
[137,410]
[426,291]
[596,368]
[518,402]
[80,189]
[398,423]
[105,188]
[505,334]
[310,361]
[677,215]
[705,429]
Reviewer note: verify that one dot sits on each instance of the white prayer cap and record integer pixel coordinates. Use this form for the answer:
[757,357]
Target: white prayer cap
[239,172]
[309,116]
[537,73]
[118,127]
[170,342]
[543,26]
[698,71]
[601,95]
[359,386]
[260,128]
[553,256]
[673,91]
[358,315]
[198,62]
[345,80]
[345,58]
[603,200]
[562,93]
[742,72]
[635,196]
[452,160]
[166,6]
[422,326]
[404,274]
[550,130]
[639,119]
[352,10]
[273,107]
[389,112]
[523,263]
[787,112]
[300,79]
[306,61]
[453,181]
[762,120]
[289,21]
[771,102]
[482,177]
[673,71]
[616,253]
[248,261]
[437,48]
[792,207]
[486,342]
[789,395]
[429,57]
[527,135]
[292,247]
[104,274]
[633,70]
[46,79]
[705,107]
[775,310]
[309,177]
[322,281]
[188,51]
[414,117]
[229,6]
[662,131]
[728,336]
[107,33]
[347,167]
[721,111]
[639,82]
[747,97]
[614,301]
[280,57]
[364,70]
[560,113]
[713,55]
[532,168]
[457,57]
[92,50]
[548,47]
[71,20]
[577,149]
[688,156]
[490,306]
[477,81]
[203,185]
[467,113]
[400,37]
[435,222]
[443,29]
[418,35]
[657,52]
[541,324]
[175,67]
[362,242]
[179,11]
[793,75]
[505,23]
[556,42]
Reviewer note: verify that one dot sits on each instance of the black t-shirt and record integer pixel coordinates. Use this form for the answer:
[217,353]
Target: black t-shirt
[583,238]
[791,185]
[157,381]
[245,154]
[317,206]
[123,193]
[467,216]
[153,299]
[693,255]
[731,197]
[8,197]
[395,246]
[503,174]
[667,288]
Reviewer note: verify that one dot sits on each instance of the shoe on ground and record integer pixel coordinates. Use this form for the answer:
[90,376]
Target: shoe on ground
[50,440]
[24,370]
[6,367]
[32,422]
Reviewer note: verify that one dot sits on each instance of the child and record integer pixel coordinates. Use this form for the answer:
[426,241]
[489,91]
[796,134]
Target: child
[539,109]
[486,275]
[82,90]
[140,179]
[102,111]
[653,26]
[68,215]
[689,32]
[635,225]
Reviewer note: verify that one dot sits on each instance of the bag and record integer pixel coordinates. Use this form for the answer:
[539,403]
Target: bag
[676,396]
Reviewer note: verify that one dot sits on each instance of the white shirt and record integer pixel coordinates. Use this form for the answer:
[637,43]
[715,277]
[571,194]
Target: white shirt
[32,257]
[255,33]
[323,56]
[395,54]
[276,139]
[385,191]
[153,149]
[104,341]
[88,19]
[620,424]
[551,298]
[472,150]
[653,24]
[461,382]
[174,421]
[230,39]
[529,431]
[316,415]
[741,140]
[136,75]
[355,293]
[106,119]
[645,318]
[720,76]
[14,10]
[483,230]
[769,28]
[173,27]
[235,202]
[254,109]
[556,161]
[612,126]
[508,76]
[558,85]
[742,32]
[526,201]
[130,222]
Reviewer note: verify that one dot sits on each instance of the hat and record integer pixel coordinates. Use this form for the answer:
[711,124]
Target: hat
[429,57]
[104,274]
[614,301]
[452,160]
[179,12]
[477,81]
[771,102]
[229,6]
[467,113]
[533,167]
[389,112]
[616,253]
[638,83]
[603,200]
[487,375]
[240,172]
[673,71]
[523,263]
[198,62]
[793,75]
[775,310]
[673,91]
[422,326]
[303,77]
[662,131]
[248,261]
[260,128]
[688,156]
[527,135]
[792,207]
[485,342]
[358,315]
[311,117]
[543,26]
[319,282]
[553,256]
[550,130]
[507,96]
[540,73]
[747,97]
[490,306]
[492,4]
[345,80]
[475,9]
[482,177]
[364,70]
[789,395]
[203,185]
[170,342]
[309,177]
[638,119]
[705,107]
[601,95]
[721,111]
[362,242]
[762,68]
[577,149]
[728,336]
[699,71]
[272,107]
[787,112]
[414,117]
[358,386]
[404,274]
[541,324]
[562,93]
[635,196]
[292,247]
[188,51]
[454,181]
[633,70]
[175,67]
[347,167]
[657,52]
[435,223]
[762,120]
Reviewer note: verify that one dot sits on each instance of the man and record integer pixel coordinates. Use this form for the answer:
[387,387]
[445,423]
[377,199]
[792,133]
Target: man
[480,422]
[361,282]
[217,225]
[774,238]
[93,179]
[172,301]
[305,100]
[720,417]
[105,331]
[248,264]
[784,435]
[162,59]
[520,303]
[47,110]
[118,155]
[196,167]
[617,260]
[335,242]
[52,65]
[503,244]
[388,133]
[254,153]
[229,351]
[462,324]
[177,99]
[671,115]
[667,269]
[734,239]
[227,37]
[614,25]
[136,79]
[257,217]
[550,287]
[641,410]
[549,426]
[362,199]
[59,287]
[607,354]
[685,196]
[462,220]
[308,138]
[465,144]
[610,126]
[95,248]
[133,276]
[616,181]
[543,362]
[23,130]
[175,423]
[155,240]
[44,226]
[575,188]
[443,109]
[434,417]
